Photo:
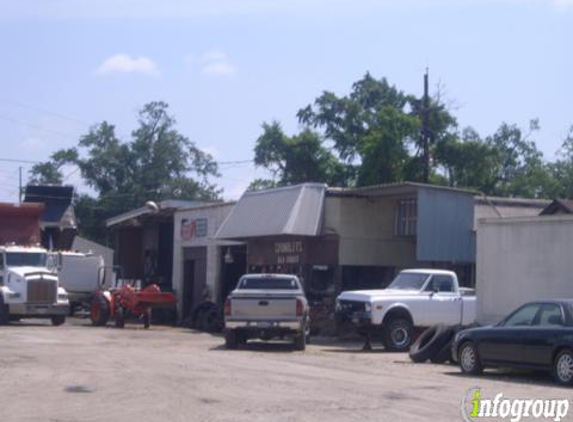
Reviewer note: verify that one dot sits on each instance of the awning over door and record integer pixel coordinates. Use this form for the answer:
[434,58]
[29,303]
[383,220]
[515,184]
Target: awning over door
[293,210]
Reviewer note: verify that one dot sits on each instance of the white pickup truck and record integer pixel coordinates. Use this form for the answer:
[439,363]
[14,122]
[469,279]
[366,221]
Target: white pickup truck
[266,306]
[416,298]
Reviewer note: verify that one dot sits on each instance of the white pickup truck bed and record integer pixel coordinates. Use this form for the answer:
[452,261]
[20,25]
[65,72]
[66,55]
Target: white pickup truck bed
[266,306]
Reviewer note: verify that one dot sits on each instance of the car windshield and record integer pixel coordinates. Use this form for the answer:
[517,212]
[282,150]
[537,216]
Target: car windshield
[409,281]
[26,259]
[268,283]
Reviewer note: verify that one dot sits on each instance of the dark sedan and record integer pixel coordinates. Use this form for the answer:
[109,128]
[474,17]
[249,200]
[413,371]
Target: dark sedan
[538,335]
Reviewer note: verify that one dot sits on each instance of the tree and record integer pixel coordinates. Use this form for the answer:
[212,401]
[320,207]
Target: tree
[376,130]
[297,159]
[519,165]
[506,163]
[158,163]
[562,169]
[468,160]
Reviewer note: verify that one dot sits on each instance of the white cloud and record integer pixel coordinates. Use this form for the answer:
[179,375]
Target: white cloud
[124,63]
[216,62]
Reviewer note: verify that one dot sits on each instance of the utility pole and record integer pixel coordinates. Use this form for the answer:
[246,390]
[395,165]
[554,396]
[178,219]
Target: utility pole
[426,132]
[20,186]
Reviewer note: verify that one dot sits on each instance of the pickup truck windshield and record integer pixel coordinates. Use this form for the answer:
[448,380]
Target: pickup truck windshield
[269,283]
[409,281]
[26,259]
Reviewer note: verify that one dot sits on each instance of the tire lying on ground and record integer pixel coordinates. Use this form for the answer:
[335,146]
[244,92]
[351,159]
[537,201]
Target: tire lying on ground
[430,343]
[444,354]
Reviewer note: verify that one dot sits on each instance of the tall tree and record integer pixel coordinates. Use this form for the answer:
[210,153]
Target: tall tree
[562,169]
[297,159]
[158,163]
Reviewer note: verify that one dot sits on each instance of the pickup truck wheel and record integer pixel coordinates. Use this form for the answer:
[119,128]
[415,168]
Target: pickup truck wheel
[397,335]
[563,367]
[4,314]
[300,342]
[231,340]
[99,311]
[58,320]
[469,359]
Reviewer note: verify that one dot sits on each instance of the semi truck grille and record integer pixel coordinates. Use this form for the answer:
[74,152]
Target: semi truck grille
[42,291]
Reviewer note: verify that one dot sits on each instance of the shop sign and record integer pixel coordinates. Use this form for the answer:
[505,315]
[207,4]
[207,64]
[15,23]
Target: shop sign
[289,252]
[192,228]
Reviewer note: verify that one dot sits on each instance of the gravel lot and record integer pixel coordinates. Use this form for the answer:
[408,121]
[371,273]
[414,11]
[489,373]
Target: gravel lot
[81,373]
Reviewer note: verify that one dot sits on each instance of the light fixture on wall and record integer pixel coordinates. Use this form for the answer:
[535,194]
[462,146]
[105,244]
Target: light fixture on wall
[229,257]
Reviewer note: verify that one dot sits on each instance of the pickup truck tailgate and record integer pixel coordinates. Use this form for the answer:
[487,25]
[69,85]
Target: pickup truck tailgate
[263,308]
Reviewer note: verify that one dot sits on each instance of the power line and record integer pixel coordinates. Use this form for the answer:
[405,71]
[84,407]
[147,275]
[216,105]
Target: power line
[22,122]
[16,160]
[41,110]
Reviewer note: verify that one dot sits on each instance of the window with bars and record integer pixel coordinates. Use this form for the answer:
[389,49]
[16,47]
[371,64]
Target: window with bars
[406,217]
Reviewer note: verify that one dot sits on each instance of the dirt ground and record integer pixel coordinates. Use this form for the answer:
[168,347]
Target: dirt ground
[81,373]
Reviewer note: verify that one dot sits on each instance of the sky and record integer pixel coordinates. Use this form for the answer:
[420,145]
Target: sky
[226,66]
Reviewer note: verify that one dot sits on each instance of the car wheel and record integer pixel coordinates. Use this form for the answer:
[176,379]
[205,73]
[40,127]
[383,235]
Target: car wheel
[563,367]
[469,359]
[398,335]
[231,340]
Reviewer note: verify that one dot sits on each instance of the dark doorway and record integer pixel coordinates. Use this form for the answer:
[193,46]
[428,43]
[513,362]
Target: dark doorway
[233,268]
[188,286]
[194,278]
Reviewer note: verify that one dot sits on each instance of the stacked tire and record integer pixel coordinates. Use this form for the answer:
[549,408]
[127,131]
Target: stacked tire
[434,344]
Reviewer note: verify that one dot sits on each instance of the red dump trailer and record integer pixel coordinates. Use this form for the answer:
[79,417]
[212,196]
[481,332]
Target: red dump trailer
[20,223]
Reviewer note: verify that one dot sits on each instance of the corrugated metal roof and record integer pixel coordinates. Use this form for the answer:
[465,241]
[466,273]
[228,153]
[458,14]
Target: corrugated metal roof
[168,205]
[397,188]
[292,210]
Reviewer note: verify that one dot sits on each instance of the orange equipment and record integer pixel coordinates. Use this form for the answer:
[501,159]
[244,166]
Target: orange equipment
[127,301]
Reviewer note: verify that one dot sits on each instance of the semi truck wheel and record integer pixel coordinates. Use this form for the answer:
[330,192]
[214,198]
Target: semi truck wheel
[4,315]
[58,320]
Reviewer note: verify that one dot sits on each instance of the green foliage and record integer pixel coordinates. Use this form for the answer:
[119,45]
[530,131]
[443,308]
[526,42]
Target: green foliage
[562,170]
[297,159]
[158,163]
[374,134]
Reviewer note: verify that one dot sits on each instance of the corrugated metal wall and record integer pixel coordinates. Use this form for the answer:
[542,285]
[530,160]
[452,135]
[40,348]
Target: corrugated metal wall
[445,226]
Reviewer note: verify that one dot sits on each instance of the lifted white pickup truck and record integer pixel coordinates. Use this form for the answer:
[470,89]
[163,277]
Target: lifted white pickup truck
[416,298]
[266,306]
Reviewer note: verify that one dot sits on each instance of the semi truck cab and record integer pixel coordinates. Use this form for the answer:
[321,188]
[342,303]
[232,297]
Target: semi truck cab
[28,289]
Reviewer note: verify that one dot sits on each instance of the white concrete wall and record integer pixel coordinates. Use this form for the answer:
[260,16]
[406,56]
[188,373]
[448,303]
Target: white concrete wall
[215,215]
[521,260]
